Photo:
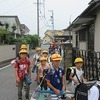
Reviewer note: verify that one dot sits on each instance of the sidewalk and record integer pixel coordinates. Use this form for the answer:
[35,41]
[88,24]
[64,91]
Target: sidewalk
[7,62]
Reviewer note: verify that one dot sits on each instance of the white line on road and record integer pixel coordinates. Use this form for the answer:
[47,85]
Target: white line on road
[5,67]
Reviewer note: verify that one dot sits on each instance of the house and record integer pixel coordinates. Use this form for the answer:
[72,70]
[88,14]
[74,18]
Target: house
[13,24]
[51,35]
[86,28]
[86,37]
[24,30]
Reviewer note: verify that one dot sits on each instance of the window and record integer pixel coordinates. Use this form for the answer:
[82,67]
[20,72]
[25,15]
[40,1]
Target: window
[82,35]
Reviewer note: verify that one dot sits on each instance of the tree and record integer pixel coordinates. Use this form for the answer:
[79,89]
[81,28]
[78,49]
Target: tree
[6,26]
[3,35]
[32,40]
[14,28]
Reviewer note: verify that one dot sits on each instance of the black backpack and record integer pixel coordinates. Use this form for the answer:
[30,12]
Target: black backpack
[68,72]
[81,91]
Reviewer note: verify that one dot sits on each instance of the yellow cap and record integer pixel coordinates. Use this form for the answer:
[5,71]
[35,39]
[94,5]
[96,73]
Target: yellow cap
[77,60]
[37,49]
[45,51]
[43,59]
[23,51]
[56,57]
[23,46]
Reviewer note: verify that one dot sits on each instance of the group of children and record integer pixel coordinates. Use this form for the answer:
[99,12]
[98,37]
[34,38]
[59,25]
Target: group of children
[56,81]
[48,71]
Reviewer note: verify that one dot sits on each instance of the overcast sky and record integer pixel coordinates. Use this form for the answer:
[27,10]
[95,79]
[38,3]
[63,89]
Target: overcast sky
[64,11]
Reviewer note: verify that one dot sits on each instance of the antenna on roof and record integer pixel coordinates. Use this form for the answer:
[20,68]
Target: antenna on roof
[70,20]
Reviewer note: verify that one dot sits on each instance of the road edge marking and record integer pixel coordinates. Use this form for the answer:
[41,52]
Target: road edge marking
[5,67]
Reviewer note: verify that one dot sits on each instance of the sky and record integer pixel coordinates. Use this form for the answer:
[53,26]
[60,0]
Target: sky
[26,10]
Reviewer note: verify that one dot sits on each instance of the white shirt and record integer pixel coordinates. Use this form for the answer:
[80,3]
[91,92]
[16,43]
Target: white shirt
[79,74]
[93,93]
[36,57]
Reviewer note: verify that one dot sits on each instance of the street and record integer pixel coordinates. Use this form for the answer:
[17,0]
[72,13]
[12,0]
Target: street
[8,89]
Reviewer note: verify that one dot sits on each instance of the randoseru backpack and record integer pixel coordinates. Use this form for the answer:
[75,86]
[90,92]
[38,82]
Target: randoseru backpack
[68,72]
[82,90]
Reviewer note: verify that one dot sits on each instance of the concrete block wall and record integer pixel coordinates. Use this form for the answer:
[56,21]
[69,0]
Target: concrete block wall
[7,52]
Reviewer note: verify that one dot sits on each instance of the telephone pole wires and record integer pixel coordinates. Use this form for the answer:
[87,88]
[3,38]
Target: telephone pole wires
[38,22]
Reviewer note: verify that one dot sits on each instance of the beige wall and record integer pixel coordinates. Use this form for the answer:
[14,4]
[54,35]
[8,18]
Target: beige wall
[97,33]
[7,52]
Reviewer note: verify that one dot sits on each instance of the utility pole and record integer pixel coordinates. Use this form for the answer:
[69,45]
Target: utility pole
[52,21]
[38,22]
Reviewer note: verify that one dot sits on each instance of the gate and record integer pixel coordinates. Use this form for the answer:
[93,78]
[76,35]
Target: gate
[91,64]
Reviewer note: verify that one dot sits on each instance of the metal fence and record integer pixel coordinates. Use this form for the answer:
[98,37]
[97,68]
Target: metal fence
[91,64]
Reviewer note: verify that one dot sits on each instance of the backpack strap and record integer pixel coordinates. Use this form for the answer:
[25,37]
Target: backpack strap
[77,76]
[74,69]
[18,62]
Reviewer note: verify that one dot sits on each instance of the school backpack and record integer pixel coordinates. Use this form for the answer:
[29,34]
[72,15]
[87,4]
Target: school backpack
[68,72]
[82,90]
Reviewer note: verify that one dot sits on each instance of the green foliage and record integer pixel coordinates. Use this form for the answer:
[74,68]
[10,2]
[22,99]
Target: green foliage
[14,28]
[4,32]
[8,38]
[6,26]
[32,40]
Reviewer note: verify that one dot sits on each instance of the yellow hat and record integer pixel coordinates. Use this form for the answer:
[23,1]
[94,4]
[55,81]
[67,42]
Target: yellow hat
[23,46]
[37,49]
[56,57]
[23,51]
[45,51]
[77,60]
[43,59]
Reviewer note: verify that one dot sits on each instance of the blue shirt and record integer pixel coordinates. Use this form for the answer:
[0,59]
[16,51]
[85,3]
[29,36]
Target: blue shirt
[55,77]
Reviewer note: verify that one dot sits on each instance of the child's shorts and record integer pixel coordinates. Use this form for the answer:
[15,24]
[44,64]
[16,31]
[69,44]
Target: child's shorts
[55,97]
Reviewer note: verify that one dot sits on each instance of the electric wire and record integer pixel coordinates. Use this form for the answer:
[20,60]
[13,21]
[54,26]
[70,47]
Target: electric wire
[15,7]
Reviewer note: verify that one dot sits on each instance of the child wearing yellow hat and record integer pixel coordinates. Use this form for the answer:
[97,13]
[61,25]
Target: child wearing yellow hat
[55,78]
[42,69]
[79,72]
[21,69]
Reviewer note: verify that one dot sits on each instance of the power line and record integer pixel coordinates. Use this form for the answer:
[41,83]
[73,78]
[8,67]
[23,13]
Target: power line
[12,9]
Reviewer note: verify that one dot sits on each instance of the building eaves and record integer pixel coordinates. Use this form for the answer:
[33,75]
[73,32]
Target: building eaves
[85,14]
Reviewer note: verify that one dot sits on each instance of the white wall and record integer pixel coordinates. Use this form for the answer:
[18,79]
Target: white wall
[82,45]
[74,39]
[11,21]
[97,32]
[7,52]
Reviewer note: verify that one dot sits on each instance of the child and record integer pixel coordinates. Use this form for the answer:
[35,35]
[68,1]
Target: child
[23,46]
[55,77]
[79,63]
[36,58]
[46,55]
[44,66]
[22,68]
